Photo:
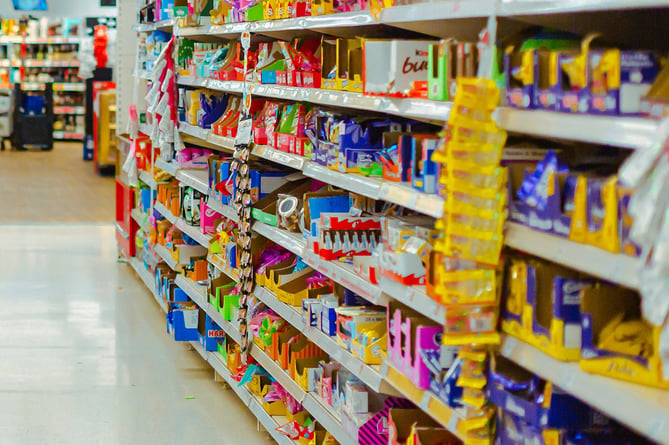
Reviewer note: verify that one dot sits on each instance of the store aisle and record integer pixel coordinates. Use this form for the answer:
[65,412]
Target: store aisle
[53,186]
[84,354]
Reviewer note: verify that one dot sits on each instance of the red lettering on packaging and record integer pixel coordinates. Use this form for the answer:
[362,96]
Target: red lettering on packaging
[416,67]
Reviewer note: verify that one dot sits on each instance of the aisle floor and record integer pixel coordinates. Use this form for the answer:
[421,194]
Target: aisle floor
[53,186]
[85,357]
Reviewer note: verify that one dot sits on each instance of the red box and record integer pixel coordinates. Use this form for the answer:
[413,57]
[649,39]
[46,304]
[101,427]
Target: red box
[281,78]
[283,141]
[311,79]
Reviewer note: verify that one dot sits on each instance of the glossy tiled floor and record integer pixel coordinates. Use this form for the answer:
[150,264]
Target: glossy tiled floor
[53,186]
[84,358]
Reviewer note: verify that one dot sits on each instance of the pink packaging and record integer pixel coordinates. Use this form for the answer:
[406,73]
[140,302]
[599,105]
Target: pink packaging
[208,218]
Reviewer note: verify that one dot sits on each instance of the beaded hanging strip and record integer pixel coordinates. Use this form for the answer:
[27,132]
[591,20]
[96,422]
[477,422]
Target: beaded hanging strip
[243,205]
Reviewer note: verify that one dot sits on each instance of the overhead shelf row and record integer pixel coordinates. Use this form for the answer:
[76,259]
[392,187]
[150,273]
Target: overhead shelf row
[619,131]
[615,268]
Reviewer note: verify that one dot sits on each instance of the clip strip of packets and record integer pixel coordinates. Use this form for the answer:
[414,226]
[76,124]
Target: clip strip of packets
[471,242]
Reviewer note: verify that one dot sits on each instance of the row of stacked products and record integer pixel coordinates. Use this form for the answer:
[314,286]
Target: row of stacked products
[341,313]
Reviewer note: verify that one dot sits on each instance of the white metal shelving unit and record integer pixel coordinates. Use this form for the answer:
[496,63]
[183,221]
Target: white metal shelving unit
[644,409]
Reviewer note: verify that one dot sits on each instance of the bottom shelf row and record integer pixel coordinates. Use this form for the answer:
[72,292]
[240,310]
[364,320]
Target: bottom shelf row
[296,392]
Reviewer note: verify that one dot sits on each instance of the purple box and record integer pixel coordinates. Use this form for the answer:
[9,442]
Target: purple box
[411,339]
[545,96]
[517,96]
[638,70]
[355,158]
[544,407]
[571,100]
[511,430]
[551,218]
[565,301]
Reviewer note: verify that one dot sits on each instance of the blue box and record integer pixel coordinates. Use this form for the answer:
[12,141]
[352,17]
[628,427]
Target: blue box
[182,321]
[263,183]
[557,409]
[180,295]
[146,198]
[419,162]
[268,77]
[208,332]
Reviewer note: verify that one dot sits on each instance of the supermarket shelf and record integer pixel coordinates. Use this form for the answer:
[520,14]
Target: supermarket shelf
[345,275]
[404,195]
[169,167]
[160,208]
[193,130]
[68,135]
[340,272]
[408,107]
[69,110]
[642,408]
[164,25]
[373,187]
[166,255]
[51,63]
[221,264]
[199,294]
[223,209]
[370,375]
[247,397]
[619,131]
[198,179]
[288,159]
[193,232]
[294,242]
[148,280]
[421,17]
[190,81]
[616,268]
[140,218]
[448,417]
[225,142]
[356,183]
[39,40]
[57,86]
[322,414]
[416,298]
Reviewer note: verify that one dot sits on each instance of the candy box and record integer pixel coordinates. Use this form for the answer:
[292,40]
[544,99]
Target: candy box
[536,401]
[208,332]
[410,338]
[547,194]
[619,79]
[352,321]
[391,66]
[520,73]
[182,321]
[616,341]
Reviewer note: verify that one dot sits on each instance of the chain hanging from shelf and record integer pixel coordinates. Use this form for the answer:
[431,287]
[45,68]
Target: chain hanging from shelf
[243,204]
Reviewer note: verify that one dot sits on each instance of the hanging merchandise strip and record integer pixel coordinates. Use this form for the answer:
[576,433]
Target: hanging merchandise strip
[470,246]
[243,204]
